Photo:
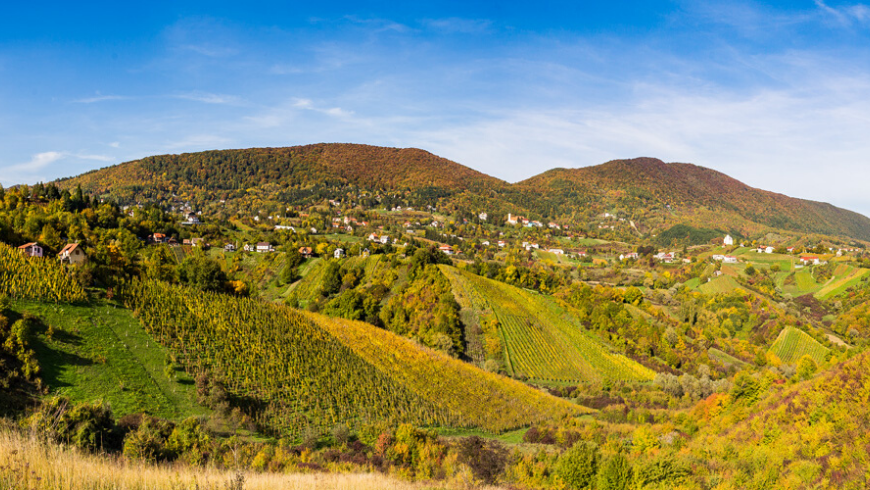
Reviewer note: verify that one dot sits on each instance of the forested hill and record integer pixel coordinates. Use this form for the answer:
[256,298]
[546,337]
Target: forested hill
[369,167]
[680,188]
[651,195]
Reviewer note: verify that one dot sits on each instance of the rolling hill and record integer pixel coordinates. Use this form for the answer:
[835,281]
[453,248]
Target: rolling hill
[541,339]
[655,196]
[289,370]
[689,193]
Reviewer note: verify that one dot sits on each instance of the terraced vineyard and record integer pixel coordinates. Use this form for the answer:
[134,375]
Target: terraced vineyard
[542,339]
[298,370]
[793,343]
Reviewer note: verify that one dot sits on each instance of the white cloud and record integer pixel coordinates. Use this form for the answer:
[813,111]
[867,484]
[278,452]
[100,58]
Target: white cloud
[100,98]
[458,25]
[210,98]
[30,171]
[847,13]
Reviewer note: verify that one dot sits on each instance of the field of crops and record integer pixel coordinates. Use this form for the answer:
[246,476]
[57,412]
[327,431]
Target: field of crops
[721,284]
[300,370]
[792,344]
[848,277]
[36,278]
[542,340]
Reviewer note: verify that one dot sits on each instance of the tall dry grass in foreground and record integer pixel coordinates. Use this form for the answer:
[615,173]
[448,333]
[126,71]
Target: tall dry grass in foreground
[26,464]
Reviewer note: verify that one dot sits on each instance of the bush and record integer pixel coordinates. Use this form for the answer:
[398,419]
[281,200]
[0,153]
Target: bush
[148,441]
[88,426]
[578,466]
[615,474]
[486,458]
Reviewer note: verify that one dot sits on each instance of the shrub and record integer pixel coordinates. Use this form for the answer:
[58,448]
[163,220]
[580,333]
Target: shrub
[148,441]
[88,426]
[578,466]
[486,458]
[615,474]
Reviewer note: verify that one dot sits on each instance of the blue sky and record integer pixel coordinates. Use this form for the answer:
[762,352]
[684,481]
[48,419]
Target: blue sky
[776,94]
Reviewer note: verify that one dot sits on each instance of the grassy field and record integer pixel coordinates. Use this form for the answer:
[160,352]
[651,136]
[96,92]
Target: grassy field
[542,340]
[102,352]
[724,358]
[840,283]
[721,284]
[559,259]
[792,344]
[25,463]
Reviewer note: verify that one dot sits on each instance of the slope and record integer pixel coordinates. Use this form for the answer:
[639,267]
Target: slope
[288,370]
[541,339]
[369,167]
[812,434]
[681,192]
[792,344]
[98,351]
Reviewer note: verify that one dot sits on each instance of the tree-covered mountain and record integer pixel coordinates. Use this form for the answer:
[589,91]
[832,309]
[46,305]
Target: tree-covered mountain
[686,193]
[642,196]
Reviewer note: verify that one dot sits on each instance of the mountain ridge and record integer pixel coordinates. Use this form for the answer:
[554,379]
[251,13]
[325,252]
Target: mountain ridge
[645,190]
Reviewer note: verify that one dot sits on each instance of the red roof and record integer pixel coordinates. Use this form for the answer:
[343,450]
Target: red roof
[27,245]
[69,248]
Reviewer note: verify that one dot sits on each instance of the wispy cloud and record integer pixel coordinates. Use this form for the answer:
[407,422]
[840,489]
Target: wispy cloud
[309,105]
[210,98]
[100,98]
[846,14]
[458,25]
[378,24]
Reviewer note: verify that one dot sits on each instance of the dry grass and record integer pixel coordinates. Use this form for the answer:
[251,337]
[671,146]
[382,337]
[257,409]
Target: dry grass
[26,464]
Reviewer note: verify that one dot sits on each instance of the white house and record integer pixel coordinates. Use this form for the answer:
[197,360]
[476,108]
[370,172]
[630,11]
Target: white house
[31,249]
[230,247]
[729,259]
[385,239]
[339,253]
[810,259]
[557,251]
[263,247]
[482,216]
[248,248]
[447,249]
[728,240]
[718,257]
[72,254]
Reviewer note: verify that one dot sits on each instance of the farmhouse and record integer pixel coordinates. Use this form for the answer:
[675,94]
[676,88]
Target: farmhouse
[72,254]
[230,247]
[31,249]
[557,251]
[447,249]
[263,247]
[157,238]
[191,219]
[729,259]
[810,259]
[512,220]
[667,258]
[582,253]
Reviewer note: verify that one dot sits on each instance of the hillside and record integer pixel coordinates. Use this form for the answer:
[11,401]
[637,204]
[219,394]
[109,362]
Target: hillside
[538,338]
[812,434]
[368,167]
[651,195]
[679,191]
[289,370]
